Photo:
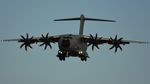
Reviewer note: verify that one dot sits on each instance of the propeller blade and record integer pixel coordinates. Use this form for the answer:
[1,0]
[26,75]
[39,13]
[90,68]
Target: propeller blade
[30,46]
[116,43]
[22,45]
[93,41]
[25,47]
[45,40]
[47,35]
[91,36]
[92,47]
[120,39]
[97,46]
[116,49]
[26,41]
[22,37]
[89,44]
[112,47]
[27,35]
[42,44]
[120,47]
[96,36]
[111,39]
[116,38]
[45,47]
[50,45]
[31,38]
[42,35]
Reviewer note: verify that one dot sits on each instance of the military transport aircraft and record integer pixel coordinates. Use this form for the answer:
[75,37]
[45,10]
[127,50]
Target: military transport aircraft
[74,45]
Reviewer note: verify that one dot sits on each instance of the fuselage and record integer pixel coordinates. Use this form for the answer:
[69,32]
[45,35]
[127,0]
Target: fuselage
[72,44]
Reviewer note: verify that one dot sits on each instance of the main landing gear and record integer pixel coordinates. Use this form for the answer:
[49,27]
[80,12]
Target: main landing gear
[61,58]
[63,54]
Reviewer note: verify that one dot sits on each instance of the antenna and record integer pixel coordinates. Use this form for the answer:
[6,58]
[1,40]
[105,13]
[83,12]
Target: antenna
[82,19]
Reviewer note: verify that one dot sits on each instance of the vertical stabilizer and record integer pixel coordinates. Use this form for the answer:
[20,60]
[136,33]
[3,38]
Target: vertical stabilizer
[82,20]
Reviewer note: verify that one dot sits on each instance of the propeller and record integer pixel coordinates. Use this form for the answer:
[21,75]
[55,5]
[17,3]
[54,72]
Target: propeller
[26,41]
[116,43]
[93,41]
[45,40]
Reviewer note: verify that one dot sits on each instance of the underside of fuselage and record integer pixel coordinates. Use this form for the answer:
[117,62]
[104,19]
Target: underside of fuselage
[64,54]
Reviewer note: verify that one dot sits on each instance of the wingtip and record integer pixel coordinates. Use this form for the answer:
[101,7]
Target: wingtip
[113,21]
[3,40]
[146,42]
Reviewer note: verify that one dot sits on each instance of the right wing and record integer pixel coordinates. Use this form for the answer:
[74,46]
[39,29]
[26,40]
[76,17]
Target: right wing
[27,41]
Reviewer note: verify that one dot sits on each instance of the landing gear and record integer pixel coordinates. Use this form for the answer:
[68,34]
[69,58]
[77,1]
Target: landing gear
[61,55]
[83,55]
[83,58]
[61,58]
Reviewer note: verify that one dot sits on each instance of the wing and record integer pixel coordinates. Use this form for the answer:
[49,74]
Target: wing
[44,40]
[116,42]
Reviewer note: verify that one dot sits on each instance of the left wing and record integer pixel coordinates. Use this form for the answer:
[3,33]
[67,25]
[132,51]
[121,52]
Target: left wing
[27,41]
[116,42]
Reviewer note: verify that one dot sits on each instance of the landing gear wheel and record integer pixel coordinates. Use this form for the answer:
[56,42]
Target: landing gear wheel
[83,58]
[61,58]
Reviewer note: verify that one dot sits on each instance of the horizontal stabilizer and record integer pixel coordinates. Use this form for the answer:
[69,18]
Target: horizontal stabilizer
[83,18]
[79,18]
[68,19]
[93,19]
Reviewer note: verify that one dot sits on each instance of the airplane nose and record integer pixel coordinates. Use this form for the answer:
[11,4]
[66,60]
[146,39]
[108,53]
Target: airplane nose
[66,43]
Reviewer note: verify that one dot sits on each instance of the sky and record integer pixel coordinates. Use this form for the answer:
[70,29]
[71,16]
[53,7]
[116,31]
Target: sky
[39,66]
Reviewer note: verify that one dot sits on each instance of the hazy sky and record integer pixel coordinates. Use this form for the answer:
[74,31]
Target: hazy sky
[131,66]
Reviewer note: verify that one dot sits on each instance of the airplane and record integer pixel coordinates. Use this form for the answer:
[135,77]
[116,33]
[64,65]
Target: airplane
[74,45]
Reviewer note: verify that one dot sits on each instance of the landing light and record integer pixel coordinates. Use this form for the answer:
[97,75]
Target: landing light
[60,52]
[80,52]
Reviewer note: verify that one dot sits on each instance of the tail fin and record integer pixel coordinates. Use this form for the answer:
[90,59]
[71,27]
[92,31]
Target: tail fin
[82,19]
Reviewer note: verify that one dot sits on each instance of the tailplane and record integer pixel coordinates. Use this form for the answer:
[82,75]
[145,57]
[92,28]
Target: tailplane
[82,20]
